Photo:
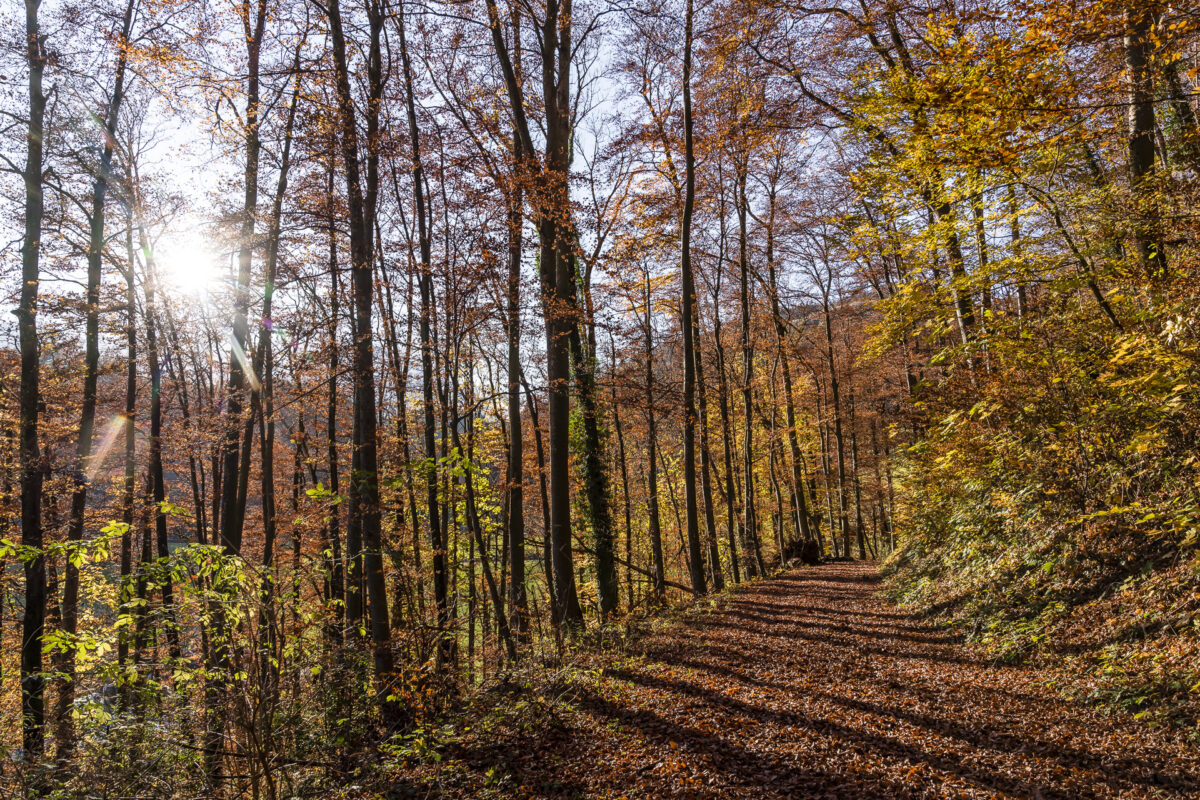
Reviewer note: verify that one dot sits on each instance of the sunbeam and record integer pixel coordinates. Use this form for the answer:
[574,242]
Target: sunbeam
[114,428]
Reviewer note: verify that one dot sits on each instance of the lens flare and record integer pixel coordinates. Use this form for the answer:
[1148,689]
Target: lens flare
[244,363]
[115,427]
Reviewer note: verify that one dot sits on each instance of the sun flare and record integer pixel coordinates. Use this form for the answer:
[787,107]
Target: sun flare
[189,265]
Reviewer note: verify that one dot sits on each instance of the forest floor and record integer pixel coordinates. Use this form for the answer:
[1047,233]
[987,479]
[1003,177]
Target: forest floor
[807,685]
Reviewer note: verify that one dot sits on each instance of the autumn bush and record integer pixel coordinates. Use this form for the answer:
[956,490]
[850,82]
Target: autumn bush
[1059,513]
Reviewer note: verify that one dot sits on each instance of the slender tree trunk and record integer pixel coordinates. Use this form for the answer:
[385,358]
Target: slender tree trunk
[826,470]
[774,459]
[754,562]
[157,484]
[425,283]
[981,247]
[449,484]
[1014,216]
[362,195]
[65,733]
[656,547]
[130,441]
[233,512]
[843,519]
[887,468]
[624,484]
[796,488]
[710,520]
[885,524]
[267,618]
[515,503]
[695,556]
[33,623]
[402,433]
[733,512]
[858,517]
[333,532]
[1139,49]
[547,554]
[477,532]
[674,496]
[595,472]
[146,555]
[195,466]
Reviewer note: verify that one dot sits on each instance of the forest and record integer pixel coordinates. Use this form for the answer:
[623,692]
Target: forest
[582,398]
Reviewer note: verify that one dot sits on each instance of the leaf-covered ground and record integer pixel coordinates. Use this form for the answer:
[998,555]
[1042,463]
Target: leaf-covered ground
[809,686]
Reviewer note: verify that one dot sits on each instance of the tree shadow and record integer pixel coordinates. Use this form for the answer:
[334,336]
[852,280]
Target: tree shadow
[746,768]
[1117,772]
[729,658]
[846,612]
[545,777]
[789,700]
[733,765]
[785,626]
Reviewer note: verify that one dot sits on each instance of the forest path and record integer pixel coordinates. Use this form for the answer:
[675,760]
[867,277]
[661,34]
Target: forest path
[809,686]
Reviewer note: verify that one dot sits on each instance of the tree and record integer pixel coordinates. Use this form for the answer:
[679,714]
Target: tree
[65,733]
[32,470]
[363,196]
[555,265]
[695,557]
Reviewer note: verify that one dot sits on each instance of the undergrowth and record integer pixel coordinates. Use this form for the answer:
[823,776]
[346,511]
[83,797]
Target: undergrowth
[526,703]
[1113,619]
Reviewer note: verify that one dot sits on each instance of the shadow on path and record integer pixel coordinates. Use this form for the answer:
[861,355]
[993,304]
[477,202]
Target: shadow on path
[809,686]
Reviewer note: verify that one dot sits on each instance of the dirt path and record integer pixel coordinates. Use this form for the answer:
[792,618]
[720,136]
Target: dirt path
[808,686]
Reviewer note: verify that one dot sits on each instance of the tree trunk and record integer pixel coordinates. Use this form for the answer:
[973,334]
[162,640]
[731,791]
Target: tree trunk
[754,562]
[477,532]
[706,465]
[130,481]
[515,503]
[32,470]
[158,487]
[233,512]
[1014,215]
[364,490]
[885,524]
[267,620]
[624,483]
[656,547]
[425,282]
[733,512]
[981,247]
[858,517]
[65,733]
[843,519]
[333,531]
[557,279]
[595,471]
[1139,48]
[547,554]
[796,488]
[400,370]
[696,558]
